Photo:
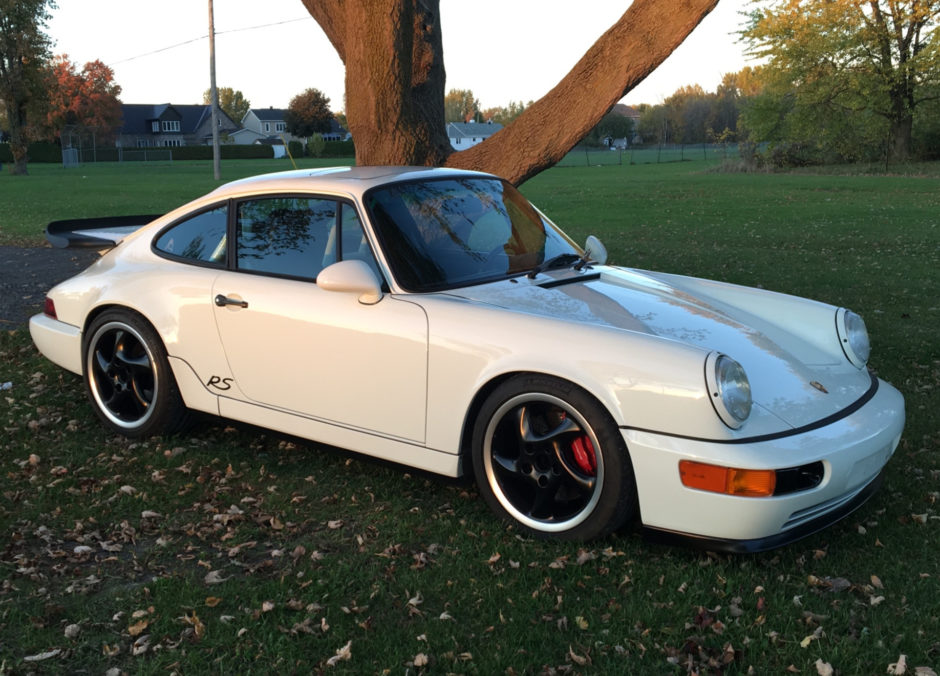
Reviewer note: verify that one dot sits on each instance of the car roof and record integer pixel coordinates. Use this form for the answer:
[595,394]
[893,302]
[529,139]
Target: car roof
[352,180]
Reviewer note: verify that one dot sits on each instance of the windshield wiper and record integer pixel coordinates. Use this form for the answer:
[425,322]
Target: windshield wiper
[559,261]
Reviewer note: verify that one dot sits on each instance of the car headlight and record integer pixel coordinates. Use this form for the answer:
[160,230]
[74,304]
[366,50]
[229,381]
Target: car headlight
[853,336]
[729,389]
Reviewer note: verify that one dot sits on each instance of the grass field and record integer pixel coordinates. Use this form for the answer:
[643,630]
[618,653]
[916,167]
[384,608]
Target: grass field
[235,551]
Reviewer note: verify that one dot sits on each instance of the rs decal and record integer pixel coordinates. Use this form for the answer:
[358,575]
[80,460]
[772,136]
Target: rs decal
[218,383]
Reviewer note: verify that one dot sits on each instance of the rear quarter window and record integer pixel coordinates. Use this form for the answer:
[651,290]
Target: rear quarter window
[200,238]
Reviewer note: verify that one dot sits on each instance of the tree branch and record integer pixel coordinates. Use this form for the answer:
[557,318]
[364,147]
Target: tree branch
[331,15]
[631,49]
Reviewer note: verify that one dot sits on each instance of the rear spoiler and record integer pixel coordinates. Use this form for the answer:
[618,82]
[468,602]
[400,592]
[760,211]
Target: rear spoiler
[97,233]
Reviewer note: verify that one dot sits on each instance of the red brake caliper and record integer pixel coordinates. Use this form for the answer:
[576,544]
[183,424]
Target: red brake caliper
[584,457]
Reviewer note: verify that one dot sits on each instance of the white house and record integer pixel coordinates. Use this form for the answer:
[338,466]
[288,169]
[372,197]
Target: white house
[465,135]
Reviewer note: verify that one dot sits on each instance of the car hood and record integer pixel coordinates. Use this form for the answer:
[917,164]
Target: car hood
[794,378]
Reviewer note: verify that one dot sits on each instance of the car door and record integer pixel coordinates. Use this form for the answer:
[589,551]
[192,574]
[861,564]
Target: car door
[297,347]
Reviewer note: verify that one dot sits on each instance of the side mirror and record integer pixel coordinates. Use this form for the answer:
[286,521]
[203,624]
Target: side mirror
[352,276]
[595,250]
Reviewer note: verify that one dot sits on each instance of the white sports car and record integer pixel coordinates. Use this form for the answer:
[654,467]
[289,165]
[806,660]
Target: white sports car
[435,318]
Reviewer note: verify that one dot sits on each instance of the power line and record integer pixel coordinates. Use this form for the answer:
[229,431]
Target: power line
[204,37]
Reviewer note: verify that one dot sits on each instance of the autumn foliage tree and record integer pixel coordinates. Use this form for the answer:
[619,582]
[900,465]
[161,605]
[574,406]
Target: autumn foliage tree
[83,101]
[393,52]
[24,49]
[308,113]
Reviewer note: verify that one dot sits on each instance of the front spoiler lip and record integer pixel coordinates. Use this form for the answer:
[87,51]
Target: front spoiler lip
[753,546]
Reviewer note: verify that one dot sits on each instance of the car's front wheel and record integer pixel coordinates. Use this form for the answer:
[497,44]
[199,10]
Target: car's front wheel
[128,377]
[549,457]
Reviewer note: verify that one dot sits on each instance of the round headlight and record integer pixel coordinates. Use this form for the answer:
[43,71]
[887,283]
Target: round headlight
[729,389]
[853,336]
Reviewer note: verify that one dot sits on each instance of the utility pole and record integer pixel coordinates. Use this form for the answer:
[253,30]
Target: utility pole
[214,96]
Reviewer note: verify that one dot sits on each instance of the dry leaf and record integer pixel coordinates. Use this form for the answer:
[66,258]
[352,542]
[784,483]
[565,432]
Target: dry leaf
[150,514]
[42,656]
[213,601]
[72,631]
[899,667]
[214,577]
[343,653]
[823,668]
[137,628]
[577,659]
[421,660]
[876,582]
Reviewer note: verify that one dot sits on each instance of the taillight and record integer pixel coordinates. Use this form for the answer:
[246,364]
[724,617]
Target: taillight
[49,308]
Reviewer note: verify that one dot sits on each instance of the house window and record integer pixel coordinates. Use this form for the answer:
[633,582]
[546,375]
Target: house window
[172,142]
[457,142]
[280,126]
[171,125]
[155,126]
[267,126]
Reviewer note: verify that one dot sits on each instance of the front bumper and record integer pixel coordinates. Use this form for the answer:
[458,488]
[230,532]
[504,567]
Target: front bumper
[59,342]
[853,449]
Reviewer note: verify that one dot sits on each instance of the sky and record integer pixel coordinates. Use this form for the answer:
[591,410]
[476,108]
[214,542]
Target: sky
[513,50]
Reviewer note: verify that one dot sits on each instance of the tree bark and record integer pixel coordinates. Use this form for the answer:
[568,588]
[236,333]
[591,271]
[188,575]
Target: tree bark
[395,83]
[19,143]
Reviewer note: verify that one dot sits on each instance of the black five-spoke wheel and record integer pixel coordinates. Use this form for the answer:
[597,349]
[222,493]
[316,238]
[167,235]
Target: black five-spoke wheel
[548,456]
[128,377]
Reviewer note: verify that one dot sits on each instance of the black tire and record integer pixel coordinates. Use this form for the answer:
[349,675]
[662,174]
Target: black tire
[128,378]
[533,443]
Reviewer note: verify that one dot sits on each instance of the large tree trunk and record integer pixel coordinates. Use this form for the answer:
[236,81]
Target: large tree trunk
[395,83]
[19,143]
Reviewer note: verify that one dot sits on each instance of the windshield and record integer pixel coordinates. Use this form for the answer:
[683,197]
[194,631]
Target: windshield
[445,233]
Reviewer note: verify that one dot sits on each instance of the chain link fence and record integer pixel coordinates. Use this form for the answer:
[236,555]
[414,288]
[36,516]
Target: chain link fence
[599,157]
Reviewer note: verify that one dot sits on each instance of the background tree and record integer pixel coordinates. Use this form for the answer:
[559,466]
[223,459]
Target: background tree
[838,72]
[85,100]
[612,126]
[460,105]
[504,114]
[24,48]
[308,113]
[393,52]
[232,102]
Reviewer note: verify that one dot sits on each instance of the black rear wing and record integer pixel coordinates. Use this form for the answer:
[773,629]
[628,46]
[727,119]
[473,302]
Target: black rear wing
[97,233]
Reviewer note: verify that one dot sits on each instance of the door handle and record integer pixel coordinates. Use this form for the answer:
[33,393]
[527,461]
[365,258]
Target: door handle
[222,301]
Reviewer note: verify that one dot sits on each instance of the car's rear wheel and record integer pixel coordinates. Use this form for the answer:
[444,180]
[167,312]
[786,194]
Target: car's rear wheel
[549,457]
[128,378]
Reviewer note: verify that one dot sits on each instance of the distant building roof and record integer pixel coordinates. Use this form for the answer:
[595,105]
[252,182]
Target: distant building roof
[472,129]
[269,114]
[135,116]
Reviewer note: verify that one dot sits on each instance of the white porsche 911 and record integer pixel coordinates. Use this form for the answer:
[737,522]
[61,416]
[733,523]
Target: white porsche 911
[435,318]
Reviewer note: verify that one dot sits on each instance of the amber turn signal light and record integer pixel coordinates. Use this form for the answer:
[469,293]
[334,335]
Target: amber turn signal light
[749,483]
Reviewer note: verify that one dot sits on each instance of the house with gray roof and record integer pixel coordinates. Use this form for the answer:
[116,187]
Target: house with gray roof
[465,135]
[147,125]
[267,125]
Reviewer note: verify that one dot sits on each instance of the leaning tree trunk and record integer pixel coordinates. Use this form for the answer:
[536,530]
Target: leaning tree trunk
[395,83]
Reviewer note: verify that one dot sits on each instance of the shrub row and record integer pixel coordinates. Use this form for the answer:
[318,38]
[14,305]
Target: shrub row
[41,151]
[44,151]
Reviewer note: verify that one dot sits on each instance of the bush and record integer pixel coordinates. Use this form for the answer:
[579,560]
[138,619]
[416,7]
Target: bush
[41,151]
[295,148]
[315,145]
[339,149]
[228,152]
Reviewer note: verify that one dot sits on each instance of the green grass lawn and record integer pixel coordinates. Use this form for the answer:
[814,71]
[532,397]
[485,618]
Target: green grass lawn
[235,551]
